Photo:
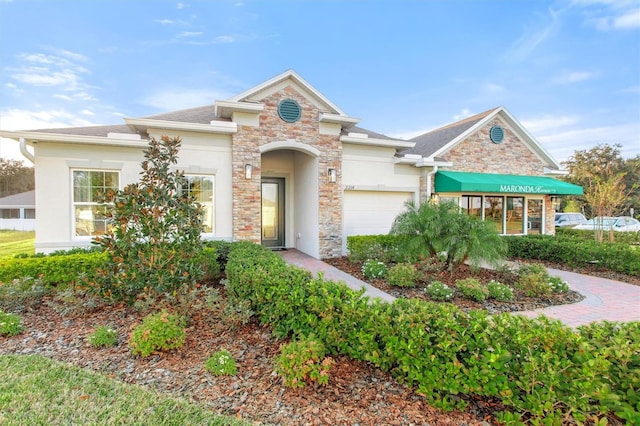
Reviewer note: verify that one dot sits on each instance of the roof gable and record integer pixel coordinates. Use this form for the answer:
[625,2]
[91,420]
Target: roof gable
[438,142]
[288,78]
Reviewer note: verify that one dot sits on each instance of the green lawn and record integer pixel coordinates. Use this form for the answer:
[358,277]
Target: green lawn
[16,242]
[38,391]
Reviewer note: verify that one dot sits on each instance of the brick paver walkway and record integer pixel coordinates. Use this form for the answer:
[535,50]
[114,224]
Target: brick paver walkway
[604,299]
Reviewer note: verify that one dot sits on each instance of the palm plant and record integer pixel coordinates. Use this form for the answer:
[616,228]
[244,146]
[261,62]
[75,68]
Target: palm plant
[431,230]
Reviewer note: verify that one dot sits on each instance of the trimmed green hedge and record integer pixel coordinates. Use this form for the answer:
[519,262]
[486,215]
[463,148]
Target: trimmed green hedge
[54,270]
[537,368]
[64,268]
[575,252]
[380,247]
[620,237]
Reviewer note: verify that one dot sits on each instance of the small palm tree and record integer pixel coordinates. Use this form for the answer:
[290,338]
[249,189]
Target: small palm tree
[430,230]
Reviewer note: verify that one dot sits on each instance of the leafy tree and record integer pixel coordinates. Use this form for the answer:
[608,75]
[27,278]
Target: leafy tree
[604,175]
[432,230]
[153,241]
[15,177]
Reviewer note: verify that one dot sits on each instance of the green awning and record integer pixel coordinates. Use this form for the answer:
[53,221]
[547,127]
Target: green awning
[447,181]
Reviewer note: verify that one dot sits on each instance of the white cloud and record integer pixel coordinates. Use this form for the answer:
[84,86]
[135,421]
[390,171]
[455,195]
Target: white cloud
[464,113]
[176,98]
[190,34]
[573,77]
[88,112]
[630,19]
[533,35]
[164,21]
[563,144]
[493,88]
[180,6]
[548,123]
[20,119]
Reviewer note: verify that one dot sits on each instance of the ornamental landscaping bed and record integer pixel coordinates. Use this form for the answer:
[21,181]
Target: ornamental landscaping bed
[357,393]
[520,302]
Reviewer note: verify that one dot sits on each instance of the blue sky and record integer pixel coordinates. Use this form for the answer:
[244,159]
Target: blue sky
[569,71]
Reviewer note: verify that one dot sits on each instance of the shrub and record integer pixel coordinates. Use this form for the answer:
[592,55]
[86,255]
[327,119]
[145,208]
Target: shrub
[303,361]
[619,257]
[103,336]
[21,294]
[221,363]
[153,242]
[500,292]
[472,288]
[373,269]
[534,284]
[10,324]
[402,275]
[439,291]
[558,285]
[429,229]
[383,248]
[53,270]
[544,372]
[162,331]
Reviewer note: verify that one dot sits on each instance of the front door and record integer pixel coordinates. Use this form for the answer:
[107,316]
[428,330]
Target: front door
[534,216]
[273,212]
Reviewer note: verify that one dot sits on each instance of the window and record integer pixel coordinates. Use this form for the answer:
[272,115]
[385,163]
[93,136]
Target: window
[10,213]
[515,215]
[493,211]
[89,190]
[29,213]
[471,204]
[201,189]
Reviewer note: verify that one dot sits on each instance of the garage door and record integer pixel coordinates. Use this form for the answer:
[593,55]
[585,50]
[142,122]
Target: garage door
[372,212]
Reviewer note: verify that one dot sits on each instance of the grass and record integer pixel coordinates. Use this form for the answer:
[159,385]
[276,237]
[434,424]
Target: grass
[16,242]
[38,391]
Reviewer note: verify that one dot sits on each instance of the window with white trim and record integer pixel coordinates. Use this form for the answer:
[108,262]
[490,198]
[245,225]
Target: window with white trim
[89,209]
[200,187]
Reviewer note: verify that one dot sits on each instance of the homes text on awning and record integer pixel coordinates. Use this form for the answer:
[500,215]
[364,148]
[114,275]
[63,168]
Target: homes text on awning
[449,181]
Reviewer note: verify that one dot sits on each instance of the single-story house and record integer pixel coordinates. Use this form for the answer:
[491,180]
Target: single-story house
[282,165]
[18,211]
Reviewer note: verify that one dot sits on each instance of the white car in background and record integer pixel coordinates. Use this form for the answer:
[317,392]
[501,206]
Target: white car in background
[621,223]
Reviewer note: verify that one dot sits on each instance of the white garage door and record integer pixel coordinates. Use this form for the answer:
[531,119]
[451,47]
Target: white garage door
[372,212]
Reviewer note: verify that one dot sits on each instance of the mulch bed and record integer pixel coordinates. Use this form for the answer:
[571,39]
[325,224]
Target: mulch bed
[520,302]
[357,392]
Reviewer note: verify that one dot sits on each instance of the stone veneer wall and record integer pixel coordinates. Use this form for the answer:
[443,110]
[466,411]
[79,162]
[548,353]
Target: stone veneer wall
[479,155]
[246,150]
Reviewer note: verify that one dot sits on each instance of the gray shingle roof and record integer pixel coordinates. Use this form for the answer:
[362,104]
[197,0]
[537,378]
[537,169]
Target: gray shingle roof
[102,131]
[199,115]
[430,142]
[369,133]
[23,199]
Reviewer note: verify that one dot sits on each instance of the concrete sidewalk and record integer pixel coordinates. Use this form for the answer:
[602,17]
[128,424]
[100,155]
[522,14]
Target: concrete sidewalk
[297,258]
[604,299]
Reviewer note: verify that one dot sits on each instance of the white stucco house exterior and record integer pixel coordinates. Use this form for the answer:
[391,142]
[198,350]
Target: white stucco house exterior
[282,165]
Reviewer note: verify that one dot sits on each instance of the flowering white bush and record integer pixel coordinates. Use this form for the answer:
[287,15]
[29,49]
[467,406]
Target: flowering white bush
[373,269]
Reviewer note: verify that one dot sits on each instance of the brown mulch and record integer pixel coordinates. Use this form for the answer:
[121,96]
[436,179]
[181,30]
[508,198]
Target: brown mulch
[520,302]
[357,392]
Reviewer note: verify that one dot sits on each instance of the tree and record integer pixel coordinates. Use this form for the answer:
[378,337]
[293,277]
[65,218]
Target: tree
[602,172]
[153,241]
[432,230]
[15,177]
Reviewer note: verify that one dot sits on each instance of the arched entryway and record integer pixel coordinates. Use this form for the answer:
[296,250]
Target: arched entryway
[289,196]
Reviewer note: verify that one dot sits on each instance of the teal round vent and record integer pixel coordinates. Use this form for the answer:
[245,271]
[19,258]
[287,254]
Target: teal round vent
[496,134]
[289,110]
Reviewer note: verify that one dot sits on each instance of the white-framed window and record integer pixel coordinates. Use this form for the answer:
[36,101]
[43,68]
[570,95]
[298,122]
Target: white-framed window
[89,210]
[201,188]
